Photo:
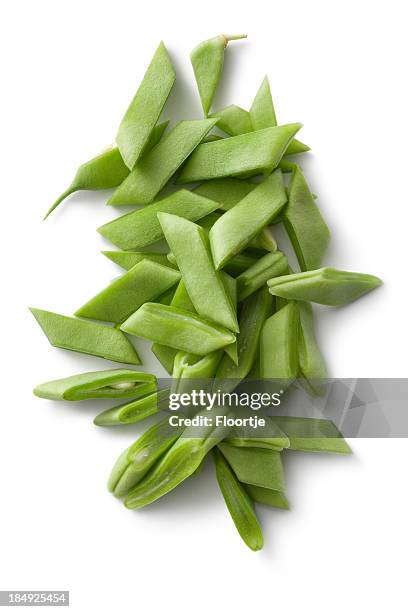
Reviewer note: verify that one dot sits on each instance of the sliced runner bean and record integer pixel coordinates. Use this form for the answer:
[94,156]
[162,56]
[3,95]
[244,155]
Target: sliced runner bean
[254,312]
[144,282]
[257,466]
[269,497]
[141,227]
[233,120]
[324,286]
[135,411]
[104,171]
[179,462]
[272,438]
[270,265]
[313,435]
[208,61]
[204,284]
[128,259]
[236,228]
[307,230]
[177,328]
[86,337]
[146,107]
[226,191]
[262,115]
[166,354]
[106,384]
[238,502]
[279,345]
[193,372]
[255,152]
[137,460]
[311,363]
[153,171]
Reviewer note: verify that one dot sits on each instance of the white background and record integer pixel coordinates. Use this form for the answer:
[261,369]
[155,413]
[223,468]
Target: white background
[69,70]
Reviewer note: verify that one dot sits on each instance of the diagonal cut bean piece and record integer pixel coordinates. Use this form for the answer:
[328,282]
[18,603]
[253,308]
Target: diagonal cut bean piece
[279,345]
[255,152]
[304,224]
[312,367]
[258,466]
[106,384]
[313,435]
[208,61]
[268,266]
[134,411]
[145,282]
[86,337]
[238,502]
[238,226]
[153,171]
[177,328]
[204,284]
[146,107]
[128,259]
[326,286]
[141,227]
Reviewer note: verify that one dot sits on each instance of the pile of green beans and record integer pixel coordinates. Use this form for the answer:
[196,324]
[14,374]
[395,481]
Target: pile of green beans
[220,303]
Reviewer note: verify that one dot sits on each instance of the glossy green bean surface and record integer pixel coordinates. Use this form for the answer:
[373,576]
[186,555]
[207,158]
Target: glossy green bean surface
[144,282]
[177,328]
[134,411]
[255,152]
[235,229]
[153,171]
[86,337]
[324,286]
[105,384]
[145,108]
[142,227]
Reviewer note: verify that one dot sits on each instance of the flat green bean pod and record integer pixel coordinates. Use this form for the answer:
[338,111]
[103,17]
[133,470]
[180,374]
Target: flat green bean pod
[252,153]
[139,458]
[105,384]
[194,372]
[313,435]
[262,115]
[236,228]
[128,259]
[258,466]
[279,345]
[312,367]
[268,266]
[204,284]
[324,286]
[305,225]
[268,497]
[155,168]
[254,312]
[145,282]
[208,61]
[104,171]
[179,462]
[226,191]
[238,502]
[141,227]
[177,328]
[144,110]
[134,411]
[233,120]
[166,354]
[86,337]
[272,438]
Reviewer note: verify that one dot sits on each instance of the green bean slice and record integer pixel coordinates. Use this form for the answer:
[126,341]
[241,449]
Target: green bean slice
[128,259]
[208,61]
[255,152]
[238,502]
[279,345]
[177,328]
[304,224]
[203,283]
[86,337]
[144,110]
[134,411]
[268,266]
[258,466]
[326,286]
[268,497]
[312,367]
[153,171]
[106,384]
[313,435]
[236,228]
